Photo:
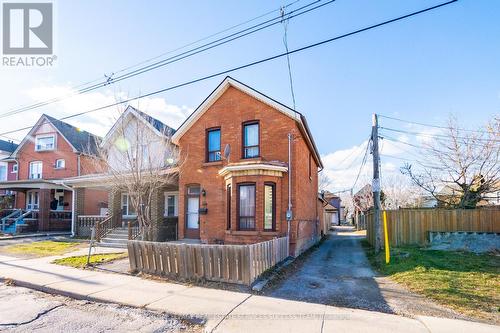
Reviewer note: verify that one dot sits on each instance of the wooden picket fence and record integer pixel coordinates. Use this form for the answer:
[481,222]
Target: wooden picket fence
[241,264]
[412,226]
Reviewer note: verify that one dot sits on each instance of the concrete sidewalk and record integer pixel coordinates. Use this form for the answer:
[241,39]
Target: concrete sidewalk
[223,311]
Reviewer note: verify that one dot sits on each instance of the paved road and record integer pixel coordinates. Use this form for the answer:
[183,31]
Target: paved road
[338,273]
[25,310]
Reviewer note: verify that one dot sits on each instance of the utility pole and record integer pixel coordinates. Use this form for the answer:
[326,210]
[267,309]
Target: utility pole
[376,185]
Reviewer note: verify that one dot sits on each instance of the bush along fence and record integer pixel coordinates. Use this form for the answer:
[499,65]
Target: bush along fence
[241,264]
[412,226]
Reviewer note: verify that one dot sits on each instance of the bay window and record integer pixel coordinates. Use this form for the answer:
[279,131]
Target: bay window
[269,206]
[246,206]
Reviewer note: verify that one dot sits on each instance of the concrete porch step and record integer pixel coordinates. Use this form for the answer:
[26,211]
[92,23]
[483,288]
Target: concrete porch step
[114,240]
[113,245]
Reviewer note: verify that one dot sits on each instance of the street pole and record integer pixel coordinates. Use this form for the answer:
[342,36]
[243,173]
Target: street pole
[376,185]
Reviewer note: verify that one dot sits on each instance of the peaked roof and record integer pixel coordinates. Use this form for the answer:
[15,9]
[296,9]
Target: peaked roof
[7,146]
[156,125]
[230,82]
[81,141]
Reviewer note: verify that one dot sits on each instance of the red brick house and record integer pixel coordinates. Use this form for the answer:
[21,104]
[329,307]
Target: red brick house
[249,166]
[52,151]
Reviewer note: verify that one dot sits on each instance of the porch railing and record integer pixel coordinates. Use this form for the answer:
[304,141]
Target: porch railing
[133,229]
[85,224]
[102,228]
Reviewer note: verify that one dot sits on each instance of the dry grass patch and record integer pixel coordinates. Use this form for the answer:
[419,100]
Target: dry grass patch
[466,282]
[42,248]
[95,259]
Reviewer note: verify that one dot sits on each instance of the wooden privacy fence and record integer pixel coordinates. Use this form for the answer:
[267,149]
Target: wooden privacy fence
[241,264]
[411,226]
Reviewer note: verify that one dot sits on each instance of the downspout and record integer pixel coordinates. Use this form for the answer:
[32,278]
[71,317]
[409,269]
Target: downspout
[78,164]
[73,207]
[289,187]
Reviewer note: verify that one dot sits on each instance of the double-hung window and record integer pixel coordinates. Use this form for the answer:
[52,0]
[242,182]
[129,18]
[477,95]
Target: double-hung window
[60,164]
[246,206]
[269,206]
[45,142]
[171,204]
[35,171]
[251,139]
[127,207]
[213,145]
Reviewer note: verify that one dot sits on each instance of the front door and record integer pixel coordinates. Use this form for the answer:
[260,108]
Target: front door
[193,212]
[32,200]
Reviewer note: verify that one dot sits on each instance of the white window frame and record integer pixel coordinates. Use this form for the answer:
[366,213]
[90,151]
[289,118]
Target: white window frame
[30,170]
[122,201]
[14,168]
[44,136]
[175,194]
[56,166]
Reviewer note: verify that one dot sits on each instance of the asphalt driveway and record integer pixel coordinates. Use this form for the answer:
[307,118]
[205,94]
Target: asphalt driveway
[338,273]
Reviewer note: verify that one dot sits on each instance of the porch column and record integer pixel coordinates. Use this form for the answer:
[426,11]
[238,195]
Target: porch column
[79,207]
[44,210]
[114,207]
[157,210]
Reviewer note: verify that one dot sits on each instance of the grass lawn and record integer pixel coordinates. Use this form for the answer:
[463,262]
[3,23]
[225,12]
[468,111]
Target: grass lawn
[81,261]
[466,282]
[42,248]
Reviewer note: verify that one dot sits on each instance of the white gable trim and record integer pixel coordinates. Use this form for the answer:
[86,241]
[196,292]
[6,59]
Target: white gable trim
[207,103]
[31,133]
[129,111]
[223,86]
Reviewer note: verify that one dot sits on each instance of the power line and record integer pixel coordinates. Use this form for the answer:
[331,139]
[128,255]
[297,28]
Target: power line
[186,54]
[176,49]
[326,41]
[429,125]
[365,158]
[435,135]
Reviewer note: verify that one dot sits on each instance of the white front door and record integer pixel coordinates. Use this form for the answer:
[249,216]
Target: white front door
[193,217]
[32,200]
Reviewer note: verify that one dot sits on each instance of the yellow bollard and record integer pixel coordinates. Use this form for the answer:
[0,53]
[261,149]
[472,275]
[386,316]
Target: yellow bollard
[386,236]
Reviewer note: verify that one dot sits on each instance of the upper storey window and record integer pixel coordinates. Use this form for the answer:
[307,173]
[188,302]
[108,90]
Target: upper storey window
[45,142]
[251,139]
[213,145]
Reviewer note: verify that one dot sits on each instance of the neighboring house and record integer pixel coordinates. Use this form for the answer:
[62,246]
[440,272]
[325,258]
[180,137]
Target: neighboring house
[452,194]
[330,213]
[131,129]
[6,149]
[233,182]
[52,151]
[335,202]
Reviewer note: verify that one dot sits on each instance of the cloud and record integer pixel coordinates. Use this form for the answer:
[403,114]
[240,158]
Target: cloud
[98,122]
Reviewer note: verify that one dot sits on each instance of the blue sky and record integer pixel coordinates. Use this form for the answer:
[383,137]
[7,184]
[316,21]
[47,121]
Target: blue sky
[423,69]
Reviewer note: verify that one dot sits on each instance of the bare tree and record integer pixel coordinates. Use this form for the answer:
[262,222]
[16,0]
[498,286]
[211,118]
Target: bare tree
[460,167]
[324,182]
[400,192]
[139,162]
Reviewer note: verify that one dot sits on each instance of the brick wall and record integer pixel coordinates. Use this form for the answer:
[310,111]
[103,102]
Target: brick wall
[228,112]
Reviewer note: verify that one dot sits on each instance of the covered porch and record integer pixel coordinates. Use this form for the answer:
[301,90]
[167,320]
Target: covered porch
[119,215]
[39,205]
